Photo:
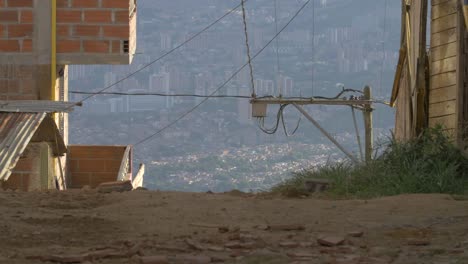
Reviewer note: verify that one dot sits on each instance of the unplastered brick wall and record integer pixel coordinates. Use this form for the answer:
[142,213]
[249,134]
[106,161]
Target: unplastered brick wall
[102,30]
[92,165]
[16,25]
[94,26]
[18,82]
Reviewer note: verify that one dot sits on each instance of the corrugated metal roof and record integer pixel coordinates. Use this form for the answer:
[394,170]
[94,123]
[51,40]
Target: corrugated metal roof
[16,130]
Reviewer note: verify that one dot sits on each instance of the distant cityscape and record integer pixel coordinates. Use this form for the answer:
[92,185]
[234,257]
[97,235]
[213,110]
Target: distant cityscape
[314,55]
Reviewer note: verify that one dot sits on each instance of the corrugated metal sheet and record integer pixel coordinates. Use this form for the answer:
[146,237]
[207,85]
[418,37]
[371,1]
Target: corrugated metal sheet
[16,130]
[36,106]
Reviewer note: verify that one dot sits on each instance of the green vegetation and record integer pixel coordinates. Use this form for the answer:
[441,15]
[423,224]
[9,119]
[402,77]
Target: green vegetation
[427,164]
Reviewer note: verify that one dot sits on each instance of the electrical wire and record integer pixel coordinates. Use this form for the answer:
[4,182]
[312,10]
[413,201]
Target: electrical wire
[247,45]
[278,69]
[227,81]
[167,53]
[166,95]
[279,119]
[215,96]
[383,49]
[313,47]
[221,96]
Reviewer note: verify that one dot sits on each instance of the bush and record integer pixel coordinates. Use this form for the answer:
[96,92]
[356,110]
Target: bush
[427,164]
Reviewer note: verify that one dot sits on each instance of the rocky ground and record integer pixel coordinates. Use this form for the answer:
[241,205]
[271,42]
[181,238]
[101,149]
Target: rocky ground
[165,227]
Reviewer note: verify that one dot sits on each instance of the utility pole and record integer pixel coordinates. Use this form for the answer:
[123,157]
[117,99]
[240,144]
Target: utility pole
[363,103]
[368,123]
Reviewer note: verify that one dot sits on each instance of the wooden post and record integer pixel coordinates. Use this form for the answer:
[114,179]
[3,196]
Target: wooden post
[368,124]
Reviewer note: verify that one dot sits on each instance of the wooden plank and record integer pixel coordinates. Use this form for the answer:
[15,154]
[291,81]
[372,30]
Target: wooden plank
[445,65]
[445,79]
[444,51]
[438,2]
[444,37]
[447,122]
[443,108]
[443,94]
[96,152]
[444,9]
[444,23]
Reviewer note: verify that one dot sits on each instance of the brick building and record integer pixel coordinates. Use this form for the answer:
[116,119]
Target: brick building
[38,40]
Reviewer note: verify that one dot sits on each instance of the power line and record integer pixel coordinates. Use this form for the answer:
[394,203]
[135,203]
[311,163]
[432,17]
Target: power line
[278,80]
[343,91]
[383,48]
[165,54]
[227,81]
[244,20]
[313,47]
[165,95]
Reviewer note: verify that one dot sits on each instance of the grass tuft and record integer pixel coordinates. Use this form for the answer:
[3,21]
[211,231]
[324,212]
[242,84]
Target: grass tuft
[427,164]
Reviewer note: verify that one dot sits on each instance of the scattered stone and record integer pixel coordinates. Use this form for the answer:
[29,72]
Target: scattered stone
[80,258]
[306,244]
[356,233]
[234,229]
[419,242]
[154,260]
[247,237]
[457,251]
[262,227]
[86,188]
[215,248]
[194,245]
[217,259]
[223,229]
[190,259]
[235,236]
[117,186]
[289,244]
[249,245]
[239,245]
[316,185]
[286,227]
[205,225]
[348,259]
[301,255]
[134,250]
[233,245]
[330,241]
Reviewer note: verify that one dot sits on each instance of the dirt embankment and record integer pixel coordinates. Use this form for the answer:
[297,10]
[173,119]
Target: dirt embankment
[167,227]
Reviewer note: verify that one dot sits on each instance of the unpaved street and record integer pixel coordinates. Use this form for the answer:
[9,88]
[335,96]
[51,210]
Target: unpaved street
[169,227]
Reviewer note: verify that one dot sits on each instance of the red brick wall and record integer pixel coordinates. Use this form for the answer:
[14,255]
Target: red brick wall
[83,26]
[18,82]
[92,165]
[16,25]
[90,26]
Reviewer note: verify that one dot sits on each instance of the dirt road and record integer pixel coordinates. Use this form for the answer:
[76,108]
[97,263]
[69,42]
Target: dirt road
[166,227]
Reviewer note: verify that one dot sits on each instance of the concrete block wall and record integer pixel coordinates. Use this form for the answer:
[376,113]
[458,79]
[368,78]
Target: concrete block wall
[92,165]
[88,31]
